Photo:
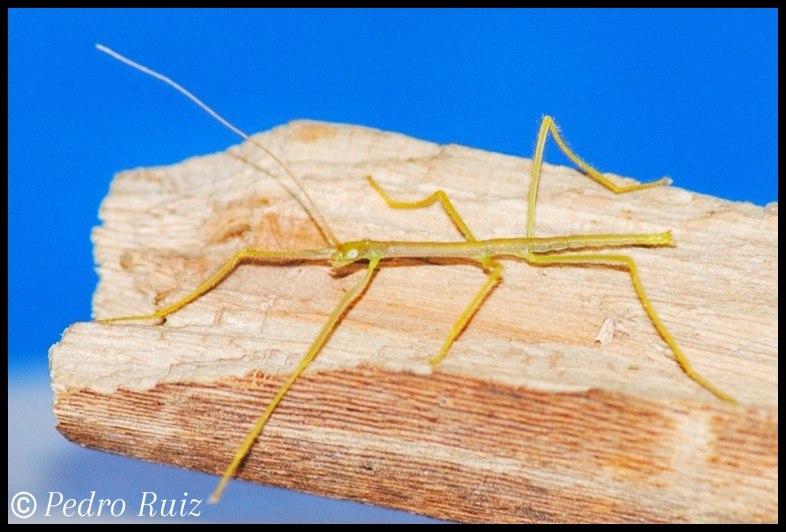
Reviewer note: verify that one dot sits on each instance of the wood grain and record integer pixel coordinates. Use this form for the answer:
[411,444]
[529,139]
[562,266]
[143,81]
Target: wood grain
[528,418]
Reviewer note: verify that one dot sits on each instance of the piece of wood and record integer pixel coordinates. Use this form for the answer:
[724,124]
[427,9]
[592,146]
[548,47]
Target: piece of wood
[528,418]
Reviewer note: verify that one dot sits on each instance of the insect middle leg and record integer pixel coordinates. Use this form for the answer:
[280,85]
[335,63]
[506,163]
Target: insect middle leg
[494,276]
[491,267]
[439,195]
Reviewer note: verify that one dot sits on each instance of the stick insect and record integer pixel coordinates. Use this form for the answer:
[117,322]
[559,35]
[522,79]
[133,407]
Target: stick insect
[579,250]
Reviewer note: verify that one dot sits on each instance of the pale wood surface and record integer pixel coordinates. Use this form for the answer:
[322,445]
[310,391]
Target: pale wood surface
[529,418]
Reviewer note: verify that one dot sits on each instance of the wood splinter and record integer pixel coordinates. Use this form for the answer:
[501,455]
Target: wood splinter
[526,419]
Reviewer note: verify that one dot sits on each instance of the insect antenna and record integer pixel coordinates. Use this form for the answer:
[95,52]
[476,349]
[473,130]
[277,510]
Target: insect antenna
[311,208]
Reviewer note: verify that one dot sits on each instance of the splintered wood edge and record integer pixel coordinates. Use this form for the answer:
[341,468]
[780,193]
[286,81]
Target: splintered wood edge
[533,416]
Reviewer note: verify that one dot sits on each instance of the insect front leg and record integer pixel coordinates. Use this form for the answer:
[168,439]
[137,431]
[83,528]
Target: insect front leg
[244,255]
[312,353]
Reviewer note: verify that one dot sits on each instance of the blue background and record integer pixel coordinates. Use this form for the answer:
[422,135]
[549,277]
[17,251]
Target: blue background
[689,94]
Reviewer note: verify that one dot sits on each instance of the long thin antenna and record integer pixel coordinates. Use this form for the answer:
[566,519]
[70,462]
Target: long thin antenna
[311,207]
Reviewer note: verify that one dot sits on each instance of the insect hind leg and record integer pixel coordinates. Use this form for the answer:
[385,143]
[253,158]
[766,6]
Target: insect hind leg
[628,264]
[549,126]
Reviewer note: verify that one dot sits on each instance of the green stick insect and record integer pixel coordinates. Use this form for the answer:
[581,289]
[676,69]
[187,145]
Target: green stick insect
[570,249]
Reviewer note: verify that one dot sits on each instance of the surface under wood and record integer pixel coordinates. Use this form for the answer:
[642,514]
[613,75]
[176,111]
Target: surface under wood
[559,402]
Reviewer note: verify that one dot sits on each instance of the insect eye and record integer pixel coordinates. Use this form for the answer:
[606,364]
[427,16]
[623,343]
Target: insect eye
[352,254]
